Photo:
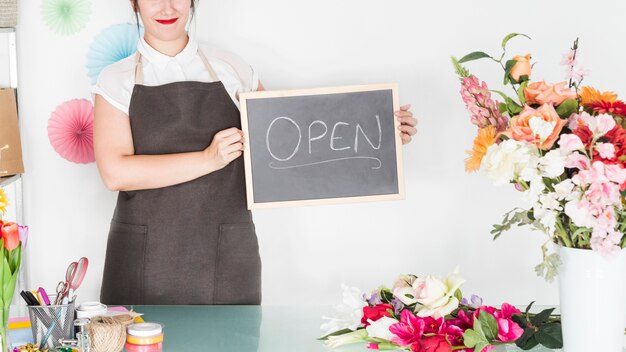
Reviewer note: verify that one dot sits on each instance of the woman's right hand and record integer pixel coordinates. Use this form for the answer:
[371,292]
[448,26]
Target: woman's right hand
[227,145]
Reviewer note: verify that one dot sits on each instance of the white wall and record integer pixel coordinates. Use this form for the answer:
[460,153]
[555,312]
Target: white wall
[307,252]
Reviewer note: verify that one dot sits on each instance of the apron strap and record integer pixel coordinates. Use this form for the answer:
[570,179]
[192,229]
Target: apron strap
[208,66]
[139,70]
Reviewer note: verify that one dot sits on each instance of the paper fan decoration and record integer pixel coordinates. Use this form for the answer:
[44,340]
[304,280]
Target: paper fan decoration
[109,46]
[66,16]
[70,130]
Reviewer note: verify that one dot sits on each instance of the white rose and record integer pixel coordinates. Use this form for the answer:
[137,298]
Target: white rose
[435,296]
[380,328]
[505,161]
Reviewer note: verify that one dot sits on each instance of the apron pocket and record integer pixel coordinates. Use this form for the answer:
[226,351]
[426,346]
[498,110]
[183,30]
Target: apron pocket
[238,265]
[123,278]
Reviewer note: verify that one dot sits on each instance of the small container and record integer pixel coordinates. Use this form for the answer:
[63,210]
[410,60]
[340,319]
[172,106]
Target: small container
[144,337]
[90,310]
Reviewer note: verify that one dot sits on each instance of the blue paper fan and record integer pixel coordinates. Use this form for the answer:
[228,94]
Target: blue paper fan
[109,46]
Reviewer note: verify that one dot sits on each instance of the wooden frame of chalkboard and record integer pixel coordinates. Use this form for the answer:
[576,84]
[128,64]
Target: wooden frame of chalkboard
[263,111]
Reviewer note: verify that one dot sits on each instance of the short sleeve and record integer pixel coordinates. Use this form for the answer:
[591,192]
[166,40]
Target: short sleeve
[115,83]
[245,72]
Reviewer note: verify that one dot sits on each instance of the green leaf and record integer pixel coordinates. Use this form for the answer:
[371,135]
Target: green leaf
[511,36]
[502,109]
[458,295]
[550,336]
[461,70]
[474,56]
[489,325]
[567,108]
[507,70]
[527,341]
[520,320]
[336,333]
[386,295]
[542,317]
[529,307]
[513,107]
[471,337]
[480,347]
[520,92]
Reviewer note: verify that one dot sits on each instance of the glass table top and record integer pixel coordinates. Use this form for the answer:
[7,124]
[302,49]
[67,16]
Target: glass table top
[249,328]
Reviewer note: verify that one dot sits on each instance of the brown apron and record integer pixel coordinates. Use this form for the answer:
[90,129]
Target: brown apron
[191,243]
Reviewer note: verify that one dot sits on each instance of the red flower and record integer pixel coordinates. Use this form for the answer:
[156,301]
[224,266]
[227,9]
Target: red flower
[375,313]
[436,343]
[617,107]
[10,235]
[462,320]
[434,326]
[584,133]
[617,136]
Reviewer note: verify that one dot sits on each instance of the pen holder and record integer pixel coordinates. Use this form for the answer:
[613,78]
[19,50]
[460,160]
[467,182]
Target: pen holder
[51,323]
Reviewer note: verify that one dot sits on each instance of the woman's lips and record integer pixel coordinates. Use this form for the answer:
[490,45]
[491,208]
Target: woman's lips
[169,21]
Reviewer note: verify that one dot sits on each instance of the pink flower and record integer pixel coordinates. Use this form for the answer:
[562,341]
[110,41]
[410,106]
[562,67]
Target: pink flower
[577,73]
[541,93]
[484,111]
[409,330]
[508,330]
[606,150]
[577,161]
[615,173]
[569,58]
[434,326]
[605,246]
[372,346]
[462,320]
[570,142]
[23,232]
[506,311]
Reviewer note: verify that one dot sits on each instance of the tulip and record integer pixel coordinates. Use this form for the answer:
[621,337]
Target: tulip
[10,235]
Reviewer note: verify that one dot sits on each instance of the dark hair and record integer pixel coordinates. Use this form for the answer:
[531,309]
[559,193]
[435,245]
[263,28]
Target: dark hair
[135,4]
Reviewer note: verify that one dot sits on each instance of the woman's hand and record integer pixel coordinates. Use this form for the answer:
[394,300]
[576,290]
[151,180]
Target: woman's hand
[227,145]
[407,123]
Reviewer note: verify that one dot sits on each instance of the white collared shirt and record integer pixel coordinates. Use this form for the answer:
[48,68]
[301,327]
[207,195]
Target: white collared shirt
[116,81]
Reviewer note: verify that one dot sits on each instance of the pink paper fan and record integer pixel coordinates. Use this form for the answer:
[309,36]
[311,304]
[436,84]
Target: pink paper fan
[70,130]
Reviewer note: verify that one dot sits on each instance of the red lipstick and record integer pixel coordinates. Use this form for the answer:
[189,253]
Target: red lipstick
[169,21]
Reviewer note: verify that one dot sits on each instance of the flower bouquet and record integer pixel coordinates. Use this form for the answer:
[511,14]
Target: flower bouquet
[428,314]
[14,239]
[562,145]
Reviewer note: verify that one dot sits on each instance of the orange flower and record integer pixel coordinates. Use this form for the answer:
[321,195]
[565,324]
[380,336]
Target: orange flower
[486,137]
[521,130]
[589,95]
[543,93]
[522,67]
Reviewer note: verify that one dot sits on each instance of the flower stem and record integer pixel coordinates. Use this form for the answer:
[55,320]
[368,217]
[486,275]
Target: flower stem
[562,233]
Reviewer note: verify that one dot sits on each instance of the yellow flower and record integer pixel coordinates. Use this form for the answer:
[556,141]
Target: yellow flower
[589,94]
[486,137]
[4,201]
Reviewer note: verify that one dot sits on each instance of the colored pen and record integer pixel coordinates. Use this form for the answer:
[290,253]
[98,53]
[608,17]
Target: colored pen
[32,298]
[44,296]
[38,297]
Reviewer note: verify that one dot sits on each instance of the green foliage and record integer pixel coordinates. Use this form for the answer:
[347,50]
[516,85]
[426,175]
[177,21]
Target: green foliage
[474,338]
[474,56]
[539,329]
[461,70]
[507,71]
[519,218]
[549,267]
[511,36]
[488,325]
[336,333]
[520,92]
[385,295]
[568,107]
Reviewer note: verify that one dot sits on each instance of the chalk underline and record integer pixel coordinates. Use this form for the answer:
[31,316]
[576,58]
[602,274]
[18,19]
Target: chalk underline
[274,165]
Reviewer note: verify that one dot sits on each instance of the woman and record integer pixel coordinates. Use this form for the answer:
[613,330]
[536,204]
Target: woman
[167,137]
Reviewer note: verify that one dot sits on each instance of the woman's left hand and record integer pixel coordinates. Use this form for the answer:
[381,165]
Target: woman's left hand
[407,123]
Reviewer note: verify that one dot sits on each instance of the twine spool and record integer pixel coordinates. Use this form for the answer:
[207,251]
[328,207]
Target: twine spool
[108,334]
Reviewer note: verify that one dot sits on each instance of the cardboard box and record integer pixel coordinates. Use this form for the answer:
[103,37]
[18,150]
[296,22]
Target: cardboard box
[10,144]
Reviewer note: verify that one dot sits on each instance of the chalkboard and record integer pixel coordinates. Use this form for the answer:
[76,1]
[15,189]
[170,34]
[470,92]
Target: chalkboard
[322,146]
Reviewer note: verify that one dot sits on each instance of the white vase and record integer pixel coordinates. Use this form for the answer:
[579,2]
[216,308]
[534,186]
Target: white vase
[592,290]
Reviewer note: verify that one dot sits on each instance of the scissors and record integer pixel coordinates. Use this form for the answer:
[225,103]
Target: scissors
[73,278]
